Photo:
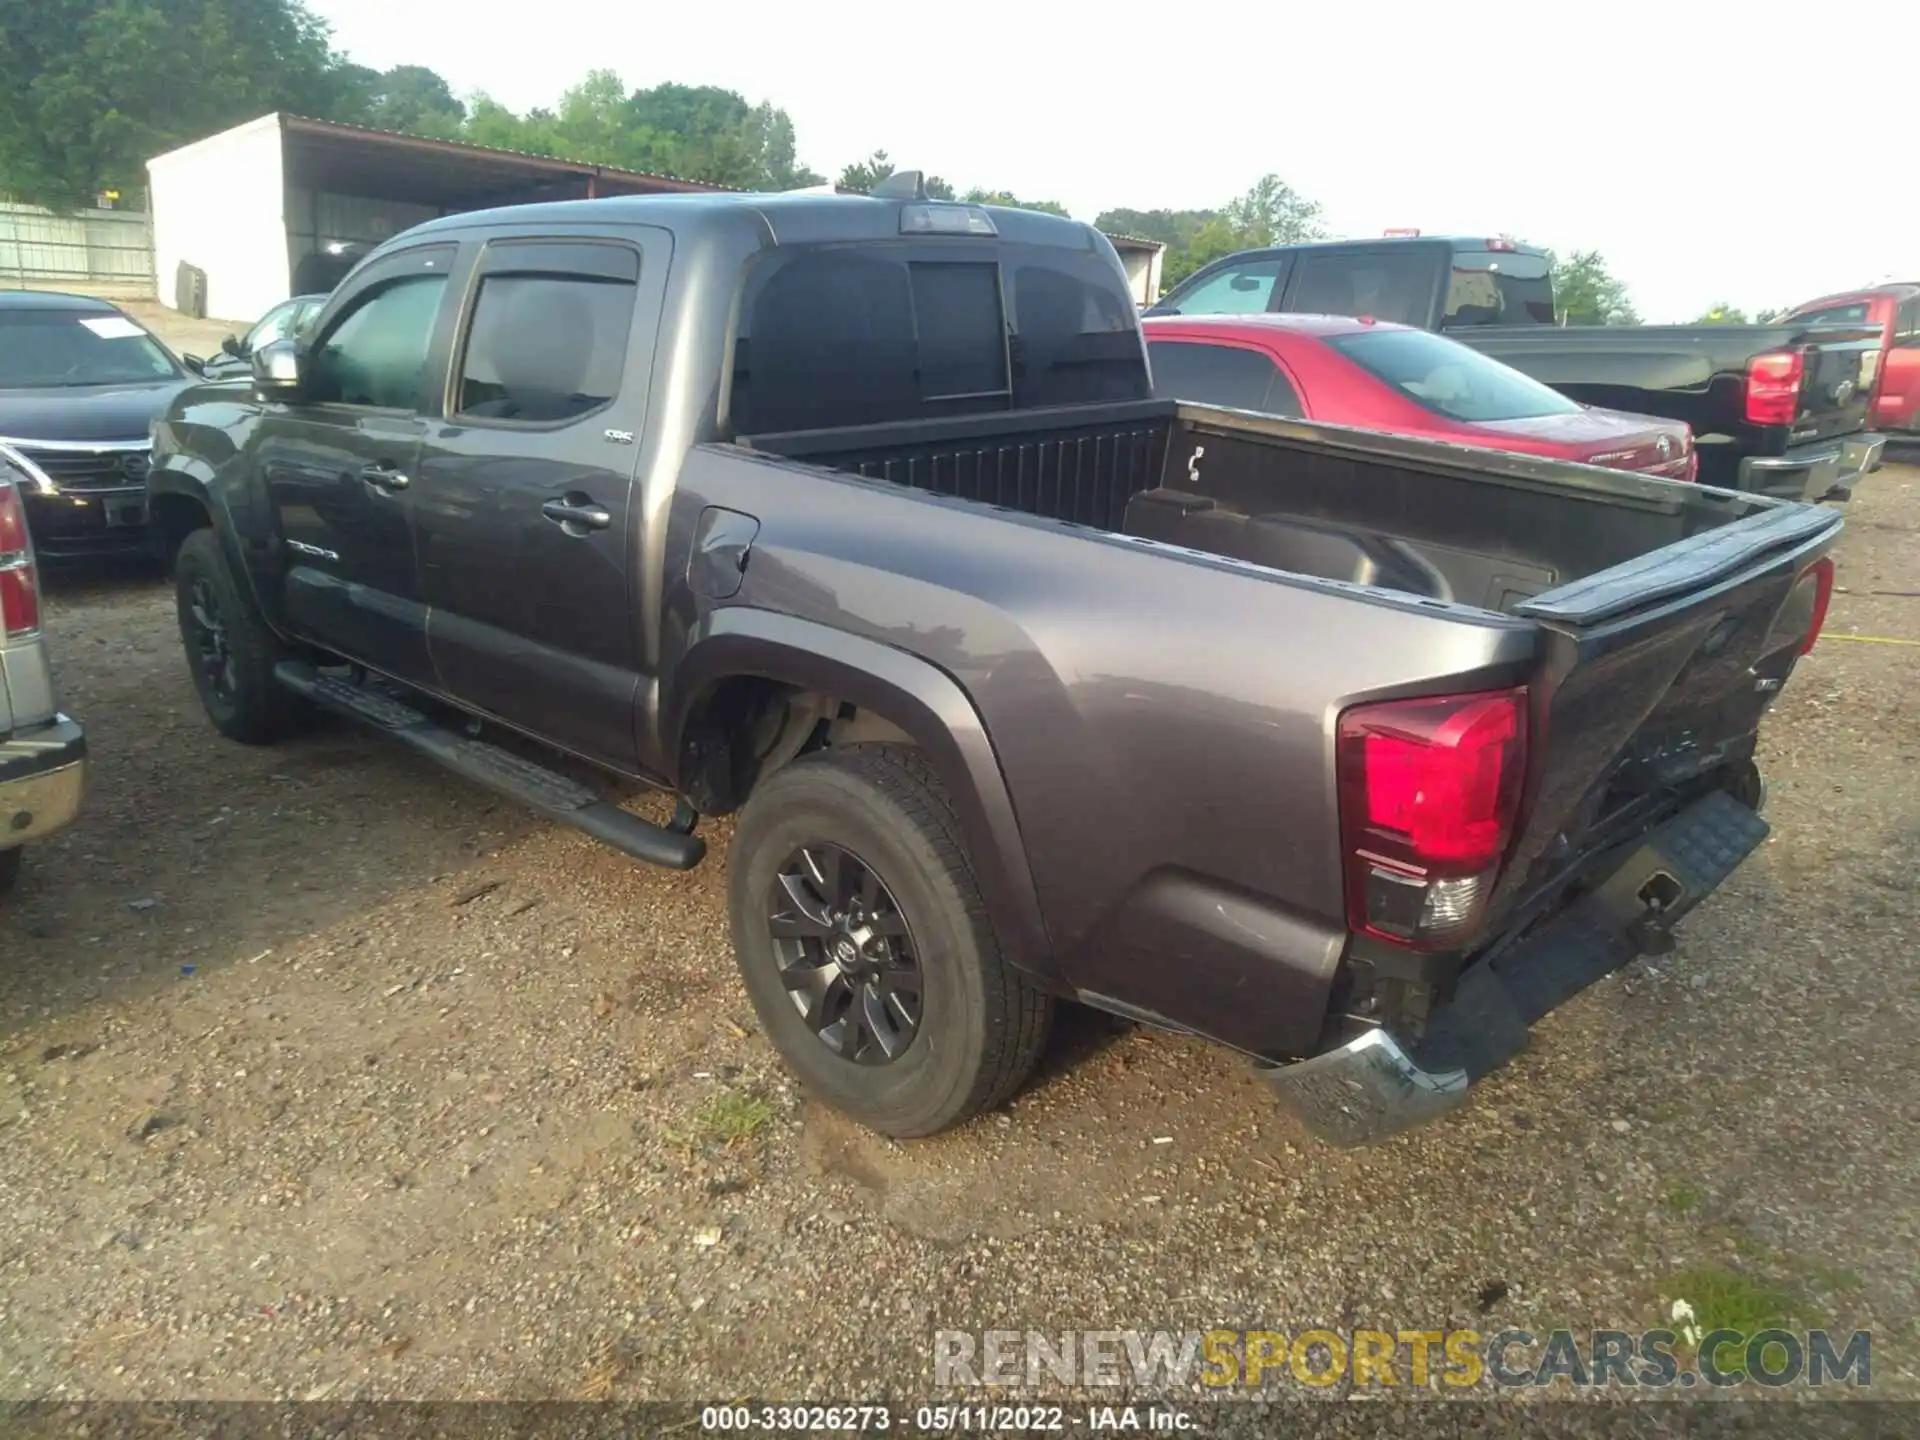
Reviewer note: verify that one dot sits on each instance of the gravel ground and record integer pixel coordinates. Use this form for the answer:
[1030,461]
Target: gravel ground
[324,1074]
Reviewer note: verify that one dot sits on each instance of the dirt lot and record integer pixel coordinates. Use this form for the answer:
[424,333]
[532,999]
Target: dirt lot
[323,1074]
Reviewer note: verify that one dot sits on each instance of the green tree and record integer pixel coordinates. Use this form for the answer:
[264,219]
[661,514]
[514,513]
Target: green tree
[91,89]
[409,98]
[863,175]
[697,132]
[1172,228]
[1723,314]
[1586,293]
[977,196]
[1270,213]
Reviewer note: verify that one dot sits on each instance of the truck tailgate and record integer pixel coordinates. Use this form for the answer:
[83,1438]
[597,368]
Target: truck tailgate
[1839,367]
[1655,675]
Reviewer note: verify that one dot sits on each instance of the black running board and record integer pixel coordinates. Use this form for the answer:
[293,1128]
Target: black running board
[535,786]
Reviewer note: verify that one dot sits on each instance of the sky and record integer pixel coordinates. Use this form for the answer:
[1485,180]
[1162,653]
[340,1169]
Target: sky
[1711,151]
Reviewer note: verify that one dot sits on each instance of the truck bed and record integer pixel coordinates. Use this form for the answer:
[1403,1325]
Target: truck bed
[1624,574]
[1444,523]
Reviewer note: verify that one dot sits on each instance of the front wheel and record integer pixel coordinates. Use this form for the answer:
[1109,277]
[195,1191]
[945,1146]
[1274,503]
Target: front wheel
[230,651]
[866,948]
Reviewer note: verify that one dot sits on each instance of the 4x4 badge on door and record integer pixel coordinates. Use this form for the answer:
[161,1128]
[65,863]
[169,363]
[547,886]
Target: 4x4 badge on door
[314,550]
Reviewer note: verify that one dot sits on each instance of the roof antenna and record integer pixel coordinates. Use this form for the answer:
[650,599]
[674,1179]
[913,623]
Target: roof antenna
[902,185]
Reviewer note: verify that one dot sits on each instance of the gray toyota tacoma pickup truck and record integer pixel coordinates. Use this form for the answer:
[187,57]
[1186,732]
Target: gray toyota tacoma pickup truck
[855,516]
[42,752]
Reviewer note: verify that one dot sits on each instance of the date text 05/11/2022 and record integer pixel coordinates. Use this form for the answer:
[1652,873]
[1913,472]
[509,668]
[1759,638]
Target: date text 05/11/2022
[944,1419]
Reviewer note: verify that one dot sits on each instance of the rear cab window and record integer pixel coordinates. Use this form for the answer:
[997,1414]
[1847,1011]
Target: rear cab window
[1859,312]
[831,336]
[1497,287]
[1449,379]
[1381,281]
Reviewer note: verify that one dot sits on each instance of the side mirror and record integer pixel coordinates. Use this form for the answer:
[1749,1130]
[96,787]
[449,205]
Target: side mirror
[195,364]
[276,370]
[230,346]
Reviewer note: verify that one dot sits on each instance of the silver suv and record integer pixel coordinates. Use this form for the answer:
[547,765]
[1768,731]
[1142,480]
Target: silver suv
[42,752]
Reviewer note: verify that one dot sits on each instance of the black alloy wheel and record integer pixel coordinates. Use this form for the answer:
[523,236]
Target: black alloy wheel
[845,954]
[212,651]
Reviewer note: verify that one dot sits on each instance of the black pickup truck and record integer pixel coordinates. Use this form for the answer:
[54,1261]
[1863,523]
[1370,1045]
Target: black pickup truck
[1776,409]
[854,515]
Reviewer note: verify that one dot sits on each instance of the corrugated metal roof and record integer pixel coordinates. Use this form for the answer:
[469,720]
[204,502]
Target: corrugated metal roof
[311,125]
[1134,240]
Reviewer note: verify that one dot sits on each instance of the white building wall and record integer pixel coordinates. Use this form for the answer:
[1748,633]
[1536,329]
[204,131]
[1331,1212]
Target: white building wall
[1142,264]
[219,203]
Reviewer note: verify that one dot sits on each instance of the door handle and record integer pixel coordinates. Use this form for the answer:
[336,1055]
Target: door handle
[577,517]
[384,478]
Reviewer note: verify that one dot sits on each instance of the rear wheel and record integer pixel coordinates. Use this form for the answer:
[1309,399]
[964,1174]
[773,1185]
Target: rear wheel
[866,948]
[230,651]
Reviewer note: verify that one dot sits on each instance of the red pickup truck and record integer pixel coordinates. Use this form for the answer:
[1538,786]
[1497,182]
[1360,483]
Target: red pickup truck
[1894,310]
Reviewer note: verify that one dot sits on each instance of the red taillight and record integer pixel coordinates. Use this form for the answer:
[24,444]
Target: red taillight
[1693,465]
[1821,574]
[1428,794]
[19,588]
[1773,387]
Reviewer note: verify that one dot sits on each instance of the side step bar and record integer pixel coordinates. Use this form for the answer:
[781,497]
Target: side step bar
[535,786]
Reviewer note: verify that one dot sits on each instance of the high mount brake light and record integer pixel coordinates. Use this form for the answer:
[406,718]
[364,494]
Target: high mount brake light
[1429,793]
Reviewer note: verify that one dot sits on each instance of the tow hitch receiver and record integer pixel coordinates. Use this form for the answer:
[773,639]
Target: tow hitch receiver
[1376,1085]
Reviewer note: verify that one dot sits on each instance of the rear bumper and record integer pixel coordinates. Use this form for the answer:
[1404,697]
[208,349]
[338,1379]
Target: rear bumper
[42,777]
[1825,470]
[1376,1085]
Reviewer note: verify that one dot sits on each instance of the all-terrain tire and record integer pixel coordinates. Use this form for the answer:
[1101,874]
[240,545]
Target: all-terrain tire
[240,696]
[982,1024]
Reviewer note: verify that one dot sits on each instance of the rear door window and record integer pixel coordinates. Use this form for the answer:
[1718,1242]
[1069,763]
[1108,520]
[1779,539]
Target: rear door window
[549,333]
[1386,284]
[1496,287]
[1225,375]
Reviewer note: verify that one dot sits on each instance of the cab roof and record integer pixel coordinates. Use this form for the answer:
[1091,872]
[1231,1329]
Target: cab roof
[795,217]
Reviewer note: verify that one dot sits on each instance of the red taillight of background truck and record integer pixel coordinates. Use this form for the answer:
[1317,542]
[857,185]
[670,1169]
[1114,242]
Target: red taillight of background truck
[1773,387]
[1429,794]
